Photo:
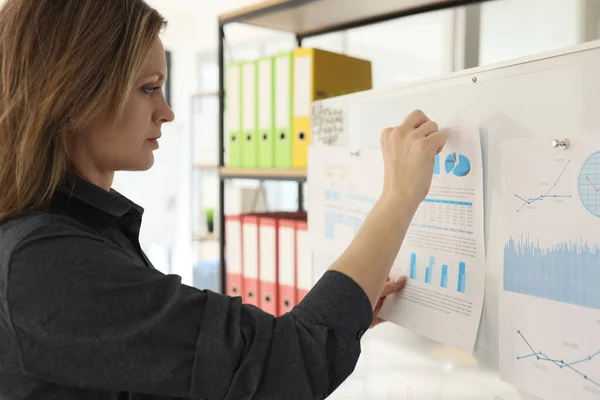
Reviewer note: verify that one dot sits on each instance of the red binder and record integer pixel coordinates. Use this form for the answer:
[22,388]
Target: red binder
[233,255]
[269,263]
[250,245]
[304,273]
[287,265]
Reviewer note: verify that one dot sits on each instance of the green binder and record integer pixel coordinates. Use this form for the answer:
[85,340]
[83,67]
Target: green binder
[233,109]
[283,103]
[266,113]
[249,115]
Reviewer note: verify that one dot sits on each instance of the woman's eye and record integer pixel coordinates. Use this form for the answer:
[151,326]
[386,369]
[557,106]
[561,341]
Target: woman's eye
[150,90]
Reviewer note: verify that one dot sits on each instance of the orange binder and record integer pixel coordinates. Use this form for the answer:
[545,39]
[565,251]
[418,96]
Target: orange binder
[233,255]
[287,265]
[304,275]
[268,263]
[250,243]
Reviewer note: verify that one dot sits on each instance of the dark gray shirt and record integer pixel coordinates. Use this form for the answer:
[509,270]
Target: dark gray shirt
[84,315]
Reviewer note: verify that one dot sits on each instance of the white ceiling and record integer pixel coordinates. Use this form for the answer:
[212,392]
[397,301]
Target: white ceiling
[194,23]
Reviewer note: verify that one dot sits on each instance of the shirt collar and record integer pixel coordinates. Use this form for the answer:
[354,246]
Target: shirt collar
[112,202]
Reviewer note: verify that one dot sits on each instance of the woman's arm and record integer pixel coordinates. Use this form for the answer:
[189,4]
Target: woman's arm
[82,315]
[371,254]
[409,152]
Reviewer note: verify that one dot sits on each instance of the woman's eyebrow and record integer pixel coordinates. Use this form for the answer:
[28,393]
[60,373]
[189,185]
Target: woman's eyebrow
[159,75]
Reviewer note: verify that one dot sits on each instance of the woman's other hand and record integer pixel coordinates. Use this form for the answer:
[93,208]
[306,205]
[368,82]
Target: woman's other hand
[389,288]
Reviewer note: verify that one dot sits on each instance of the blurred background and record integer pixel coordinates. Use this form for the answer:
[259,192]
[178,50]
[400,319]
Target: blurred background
[181,191]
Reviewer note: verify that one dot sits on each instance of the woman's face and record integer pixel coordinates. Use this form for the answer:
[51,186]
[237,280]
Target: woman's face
[128,144]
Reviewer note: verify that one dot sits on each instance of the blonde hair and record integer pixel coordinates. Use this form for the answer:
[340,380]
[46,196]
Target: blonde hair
[62,64]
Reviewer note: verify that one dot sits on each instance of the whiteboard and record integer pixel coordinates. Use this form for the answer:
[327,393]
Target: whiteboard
[550,96]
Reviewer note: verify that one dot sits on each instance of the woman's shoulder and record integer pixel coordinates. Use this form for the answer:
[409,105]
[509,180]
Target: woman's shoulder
[35,224]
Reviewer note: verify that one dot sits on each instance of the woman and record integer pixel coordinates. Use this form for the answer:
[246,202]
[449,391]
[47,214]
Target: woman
[83,315]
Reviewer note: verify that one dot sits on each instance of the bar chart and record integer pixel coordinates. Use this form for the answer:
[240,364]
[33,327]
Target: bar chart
[566,271]
[434,274]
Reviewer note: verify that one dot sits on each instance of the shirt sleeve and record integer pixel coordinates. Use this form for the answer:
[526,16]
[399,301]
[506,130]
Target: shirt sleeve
[88,315]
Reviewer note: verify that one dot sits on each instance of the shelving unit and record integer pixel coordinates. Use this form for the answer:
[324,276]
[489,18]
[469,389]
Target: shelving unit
[306,18]
[273,174]
[204,166]
[303,18]
[198,168]
[204,237]
[205,94]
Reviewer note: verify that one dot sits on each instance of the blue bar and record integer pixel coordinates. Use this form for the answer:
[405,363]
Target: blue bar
[429,269]
[436,167]
[444,282]
[461,277]
[413,266]
[453,202]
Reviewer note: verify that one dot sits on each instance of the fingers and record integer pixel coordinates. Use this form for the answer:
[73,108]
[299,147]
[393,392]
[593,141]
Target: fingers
[415,119]
[393,286]
[389,288]
[437,141]
[385,136]
[376,319]
[427,129]
[421,126]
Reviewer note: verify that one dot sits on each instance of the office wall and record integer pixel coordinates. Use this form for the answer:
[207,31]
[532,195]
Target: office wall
[403,50]
[516,28]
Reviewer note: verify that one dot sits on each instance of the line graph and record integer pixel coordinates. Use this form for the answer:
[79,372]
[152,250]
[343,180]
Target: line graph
[532,200]
[559,363]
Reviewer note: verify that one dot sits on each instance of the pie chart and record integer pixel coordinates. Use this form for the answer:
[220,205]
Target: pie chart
[589,184]
[458,165]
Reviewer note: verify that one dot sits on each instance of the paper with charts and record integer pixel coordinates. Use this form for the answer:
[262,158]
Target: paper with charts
[443,253]
[550,303]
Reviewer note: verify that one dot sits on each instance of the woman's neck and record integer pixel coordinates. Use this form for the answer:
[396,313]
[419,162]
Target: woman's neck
[102,180]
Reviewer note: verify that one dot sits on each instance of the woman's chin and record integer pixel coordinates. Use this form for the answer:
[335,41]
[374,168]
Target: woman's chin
[147,165]
[140,165]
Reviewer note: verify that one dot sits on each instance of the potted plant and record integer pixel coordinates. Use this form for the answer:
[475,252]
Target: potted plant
[209,214]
